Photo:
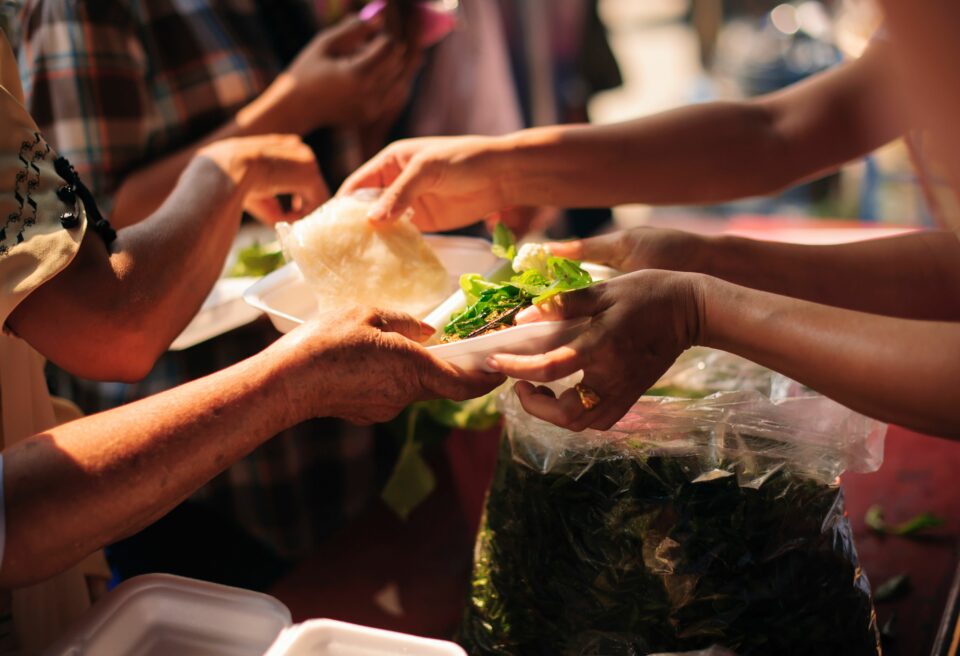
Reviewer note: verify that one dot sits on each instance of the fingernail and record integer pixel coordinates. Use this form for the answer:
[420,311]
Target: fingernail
[491,363]
[426,329]
[377,213]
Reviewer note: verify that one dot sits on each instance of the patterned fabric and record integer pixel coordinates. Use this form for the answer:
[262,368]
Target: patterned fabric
[117,84]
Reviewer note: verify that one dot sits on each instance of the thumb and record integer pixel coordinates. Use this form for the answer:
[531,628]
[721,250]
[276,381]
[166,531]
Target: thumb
[403,324]
[585,302]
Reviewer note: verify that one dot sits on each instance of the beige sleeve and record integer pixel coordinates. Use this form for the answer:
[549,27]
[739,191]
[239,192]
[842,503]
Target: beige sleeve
[41,226]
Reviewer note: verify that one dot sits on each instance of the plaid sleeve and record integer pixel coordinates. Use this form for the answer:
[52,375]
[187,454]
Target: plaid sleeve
[84,73]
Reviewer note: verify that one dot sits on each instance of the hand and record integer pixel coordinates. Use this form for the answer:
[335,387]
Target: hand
[365,366]
[266,166]
[641,322]
[638,248]
[450,182]
[350,74]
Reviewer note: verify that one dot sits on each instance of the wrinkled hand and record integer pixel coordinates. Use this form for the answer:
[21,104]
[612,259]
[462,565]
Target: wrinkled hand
[350,74]
[266,166]
[641,322]
[635,249]
[366,365]
[450,182]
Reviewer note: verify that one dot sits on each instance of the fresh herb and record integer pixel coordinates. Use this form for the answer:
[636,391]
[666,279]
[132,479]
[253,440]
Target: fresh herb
[917,524]
[893,588]
[631,557]
[504,243]
[257,260]
[493,305]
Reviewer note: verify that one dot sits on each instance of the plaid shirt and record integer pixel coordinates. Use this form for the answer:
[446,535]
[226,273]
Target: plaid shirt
[116,85]
[120,84]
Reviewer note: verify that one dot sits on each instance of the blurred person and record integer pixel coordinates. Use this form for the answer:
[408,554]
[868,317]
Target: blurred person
[102,304]
[874,325]
[129,91]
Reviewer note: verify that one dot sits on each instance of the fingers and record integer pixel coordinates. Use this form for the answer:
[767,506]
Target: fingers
[381,170]
[601,250]
[380,50]
[542,368]
[585,302]
[389,321]
[267,210]
[347,35]
[412,181]
[567,411]
[442,379]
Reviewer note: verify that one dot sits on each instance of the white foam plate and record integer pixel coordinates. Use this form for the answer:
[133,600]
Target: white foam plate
[527,339]
[332,638]
[288,300]
[163,615]
[224,310]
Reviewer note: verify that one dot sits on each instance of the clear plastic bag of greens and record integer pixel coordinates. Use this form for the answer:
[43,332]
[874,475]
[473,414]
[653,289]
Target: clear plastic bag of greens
[693,522]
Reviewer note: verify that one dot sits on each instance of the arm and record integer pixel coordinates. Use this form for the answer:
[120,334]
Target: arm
[911,276]
[338,79]
[126,307]
[95,480]
[699,154]
[896,370]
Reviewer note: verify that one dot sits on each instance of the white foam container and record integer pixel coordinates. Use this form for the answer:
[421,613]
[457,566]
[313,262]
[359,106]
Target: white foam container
[288,300]
[161,615]
[526,339]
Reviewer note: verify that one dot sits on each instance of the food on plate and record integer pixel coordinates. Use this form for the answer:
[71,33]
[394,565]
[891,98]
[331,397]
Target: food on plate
[493,306]
[348,261]
[257,260]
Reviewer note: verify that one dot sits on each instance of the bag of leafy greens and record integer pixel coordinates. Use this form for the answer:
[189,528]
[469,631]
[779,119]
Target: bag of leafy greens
[693,523]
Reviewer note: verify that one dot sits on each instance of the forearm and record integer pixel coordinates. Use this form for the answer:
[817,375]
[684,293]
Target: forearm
[87,483]
[911,276]
[897,370]
[699,154]
[131,305]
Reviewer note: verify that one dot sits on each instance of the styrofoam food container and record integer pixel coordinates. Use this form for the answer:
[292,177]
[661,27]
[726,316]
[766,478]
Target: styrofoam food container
[333,638]
[161,614]
[526,339]
[288,300]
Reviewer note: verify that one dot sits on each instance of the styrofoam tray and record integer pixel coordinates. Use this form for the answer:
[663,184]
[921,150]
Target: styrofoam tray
[224,309]
[332,638]
[161,614]
[526,339]
[288,300]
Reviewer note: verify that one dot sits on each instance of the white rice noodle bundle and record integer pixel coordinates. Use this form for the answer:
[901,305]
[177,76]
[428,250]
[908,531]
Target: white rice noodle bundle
[347,261]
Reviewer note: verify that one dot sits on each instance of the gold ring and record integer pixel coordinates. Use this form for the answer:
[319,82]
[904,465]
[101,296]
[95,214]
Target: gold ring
[588,398]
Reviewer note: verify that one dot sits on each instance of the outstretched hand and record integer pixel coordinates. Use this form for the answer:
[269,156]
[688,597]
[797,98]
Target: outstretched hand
[640,323]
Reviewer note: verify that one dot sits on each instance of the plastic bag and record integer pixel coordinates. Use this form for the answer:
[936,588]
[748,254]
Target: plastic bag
[692,523]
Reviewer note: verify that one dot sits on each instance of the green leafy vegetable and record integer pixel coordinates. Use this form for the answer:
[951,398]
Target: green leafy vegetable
[257,260]
[893,588]
[917,524]
[633,558]
[504,243]
[491,305]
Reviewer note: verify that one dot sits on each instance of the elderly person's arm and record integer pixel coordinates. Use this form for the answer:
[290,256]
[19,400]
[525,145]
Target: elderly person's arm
[109,316]
[85,484]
